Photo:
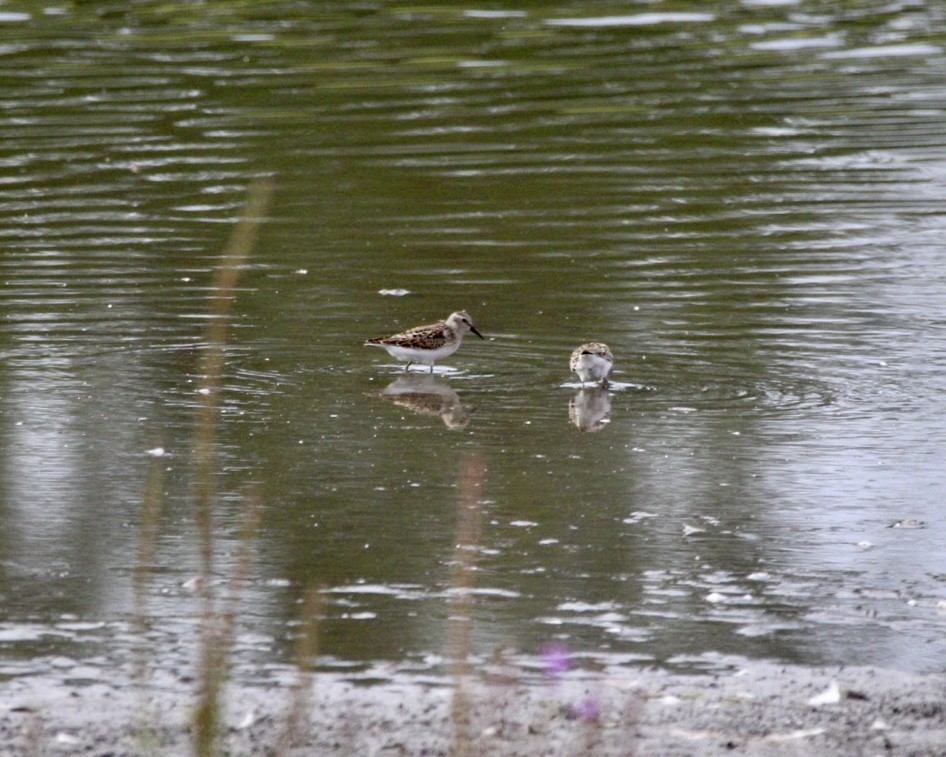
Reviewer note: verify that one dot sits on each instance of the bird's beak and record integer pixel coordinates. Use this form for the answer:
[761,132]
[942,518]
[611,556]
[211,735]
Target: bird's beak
[473,329]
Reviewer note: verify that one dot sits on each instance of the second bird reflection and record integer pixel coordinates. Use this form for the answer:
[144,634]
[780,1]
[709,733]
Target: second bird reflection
[590,409]
[427,395]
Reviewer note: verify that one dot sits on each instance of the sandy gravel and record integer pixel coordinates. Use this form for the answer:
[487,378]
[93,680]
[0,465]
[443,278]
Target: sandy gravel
[761,710]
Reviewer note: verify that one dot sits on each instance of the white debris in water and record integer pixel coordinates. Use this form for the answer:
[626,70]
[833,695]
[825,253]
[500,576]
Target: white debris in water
[865,545]
[831,695]
[908,523]
[586,606]
[631,19]
[248,720]
[156,452]
[637,516]
[689,530]
[494,14]
[885,51]
[801,733]
[393,292]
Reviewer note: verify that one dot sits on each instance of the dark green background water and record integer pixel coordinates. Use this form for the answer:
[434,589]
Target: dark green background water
[744,200]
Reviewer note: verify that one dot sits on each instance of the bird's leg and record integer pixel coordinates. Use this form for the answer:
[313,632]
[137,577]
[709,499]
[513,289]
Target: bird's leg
[431,369]
[407,367]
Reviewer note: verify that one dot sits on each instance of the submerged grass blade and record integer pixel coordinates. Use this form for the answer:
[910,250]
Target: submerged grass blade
[148,530]
[469,532]
[219,633]
[306,651]
[217,628]
[222,296]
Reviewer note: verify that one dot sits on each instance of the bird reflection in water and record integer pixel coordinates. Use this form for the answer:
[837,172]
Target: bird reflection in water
[590,409]
[427,395]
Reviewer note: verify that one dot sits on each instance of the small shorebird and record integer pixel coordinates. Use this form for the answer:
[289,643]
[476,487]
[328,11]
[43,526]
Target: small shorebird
[592,362]
[427,344]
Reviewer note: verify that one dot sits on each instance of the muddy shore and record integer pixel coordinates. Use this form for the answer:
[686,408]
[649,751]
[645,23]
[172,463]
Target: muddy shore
[763,709]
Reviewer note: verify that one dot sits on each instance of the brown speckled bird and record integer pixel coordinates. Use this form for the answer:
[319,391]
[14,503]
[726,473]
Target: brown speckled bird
[427,344]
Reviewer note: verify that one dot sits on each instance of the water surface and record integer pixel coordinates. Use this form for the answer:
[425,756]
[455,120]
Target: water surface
[744,202]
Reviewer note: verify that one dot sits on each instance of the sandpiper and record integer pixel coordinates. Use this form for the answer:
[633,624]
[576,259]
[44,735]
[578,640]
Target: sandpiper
[427,344]
[592,362]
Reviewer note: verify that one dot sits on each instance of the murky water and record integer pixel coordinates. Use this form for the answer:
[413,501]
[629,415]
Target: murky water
[744,202]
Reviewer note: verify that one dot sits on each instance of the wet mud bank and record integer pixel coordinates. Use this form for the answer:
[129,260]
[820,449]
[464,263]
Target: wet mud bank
[761,709]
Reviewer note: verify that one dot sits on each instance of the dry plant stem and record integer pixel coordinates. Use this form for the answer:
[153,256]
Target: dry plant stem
[220,308]
[153,505]
[306,650]
[463,580]
[148,529]
[32,729]
[217,631]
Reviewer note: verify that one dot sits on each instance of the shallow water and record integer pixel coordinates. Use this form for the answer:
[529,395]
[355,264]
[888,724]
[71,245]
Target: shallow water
[744,203]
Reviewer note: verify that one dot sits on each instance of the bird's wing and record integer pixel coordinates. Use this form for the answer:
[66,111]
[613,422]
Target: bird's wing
[431,336]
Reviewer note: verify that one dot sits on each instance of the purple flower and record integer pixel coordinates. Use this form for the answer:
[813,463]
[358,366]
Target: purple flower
[588,710]
[556,659]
